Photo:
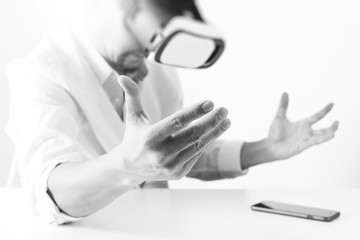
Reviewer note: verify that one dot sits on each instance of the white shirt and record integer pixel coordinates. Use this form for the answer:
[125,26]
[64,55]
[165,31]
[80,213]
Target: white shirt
[60,112]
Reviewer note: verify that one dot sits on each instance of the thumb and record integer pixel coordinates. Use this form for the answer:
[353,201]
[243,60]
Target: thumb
[284,103]
[134,108]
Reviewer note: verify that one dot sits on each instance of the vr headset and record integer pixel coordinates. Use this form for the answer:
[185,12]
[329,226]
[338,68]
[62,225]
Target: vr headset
[185,42]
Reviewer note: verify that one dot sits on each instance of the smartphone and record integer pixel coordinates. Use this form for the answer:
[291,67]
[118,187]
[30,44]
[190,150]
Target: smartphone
[296,211]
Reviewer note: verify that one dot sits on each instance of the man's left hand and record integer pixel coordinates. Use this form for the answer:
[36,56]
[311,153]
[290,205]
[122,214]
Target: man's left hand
[287,138]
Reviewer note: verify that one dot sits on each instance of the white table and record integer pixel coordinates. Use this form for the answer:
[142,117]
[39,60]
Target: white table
[192,214]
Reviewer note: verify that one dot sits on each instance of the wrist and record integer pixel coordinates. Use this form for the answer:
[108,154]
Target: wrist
[119,168]
[255,153]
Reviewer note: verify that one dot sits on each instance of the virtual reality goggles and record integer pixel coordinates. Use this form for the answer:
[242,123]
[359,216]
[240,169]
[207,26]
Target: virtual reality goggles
[185,42]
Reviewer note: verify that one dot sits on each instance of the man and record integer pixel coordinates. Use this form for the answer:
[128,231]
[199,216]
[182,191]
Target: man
[86,134]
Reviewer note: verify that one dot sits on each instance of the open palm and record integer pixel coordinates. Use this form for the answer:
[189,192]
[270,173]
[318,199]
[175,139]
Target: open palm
[290,138]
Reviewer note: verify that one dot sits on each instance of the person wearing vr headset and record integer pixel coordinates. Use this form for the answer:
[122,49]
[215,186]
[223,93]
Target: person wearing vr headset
[103,111]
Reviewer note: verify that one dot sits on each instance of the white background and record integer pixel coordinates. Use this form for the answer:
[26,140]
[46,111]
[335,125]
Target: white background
[308,48]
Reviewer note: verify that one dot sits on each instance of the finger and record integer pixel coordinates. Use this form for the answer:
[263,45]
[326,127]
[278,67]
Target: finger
[194,133]
[316,117]
[203,143]
[179,171]
[315,140]
[190,164]
[332,129]
[134,108]
[323,135]
[284,103]
[180,119]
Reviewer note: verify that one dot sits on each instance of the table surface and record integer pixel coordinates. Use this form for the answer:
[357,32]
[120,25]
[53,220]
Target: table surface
[192,214]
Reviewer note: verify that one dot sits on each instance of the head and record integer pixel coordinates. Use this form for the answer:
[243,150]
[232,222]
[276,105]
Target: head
[121,26]
[170,32]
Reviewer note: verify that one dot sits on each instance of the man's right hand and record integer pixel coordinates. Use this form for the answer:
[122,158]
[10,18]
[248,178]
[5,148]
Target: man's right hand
[168,149]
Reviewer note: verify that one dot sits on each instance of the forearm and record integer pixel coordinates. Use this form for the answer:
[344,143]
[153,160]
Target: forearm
[251,154]
[82,188]
[255,153]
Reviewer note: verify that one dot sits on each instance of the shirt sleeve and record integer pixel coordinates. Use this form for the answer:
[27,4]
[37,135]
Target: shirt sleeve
[229,158]
[45,205]
[43,124]
[221,160]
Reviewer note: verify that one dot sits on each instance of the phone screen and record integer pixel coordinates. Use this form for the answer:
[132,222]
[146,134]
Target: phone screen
[296,210]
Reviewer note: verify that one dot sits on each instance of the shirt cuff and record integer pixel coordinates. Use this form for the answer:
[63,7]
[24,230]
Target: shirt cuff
[230,159]
[46,208]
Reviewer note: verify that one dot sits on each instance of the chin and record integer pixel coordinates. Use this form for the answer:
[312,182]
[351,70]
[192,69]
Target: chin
[132,64]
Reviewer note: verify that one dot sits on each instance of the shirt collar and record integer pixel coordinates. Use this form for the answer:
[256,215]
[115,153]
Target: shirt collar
[101,68]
